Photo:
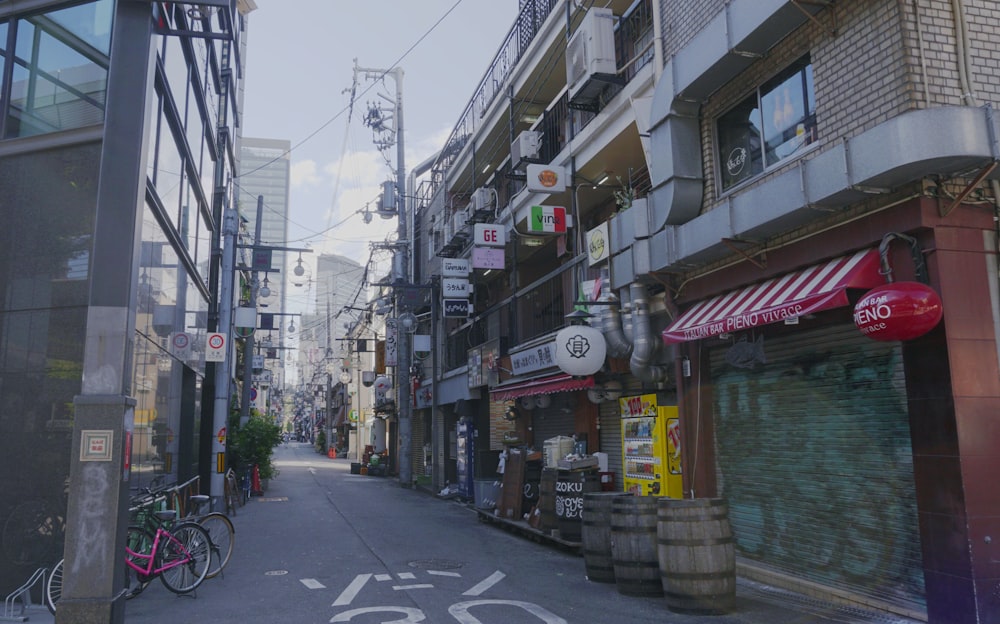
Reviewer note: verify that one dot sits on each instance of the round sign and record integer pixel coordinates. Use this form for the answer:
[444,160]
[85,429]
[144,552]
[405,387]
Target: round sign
[382,383]
[898,311]
[180,340]
[215,341]
[580,350]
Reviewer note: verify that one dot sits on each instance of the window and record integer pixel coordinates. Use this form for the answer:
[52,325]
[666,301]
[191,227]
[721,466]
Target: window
[773,123]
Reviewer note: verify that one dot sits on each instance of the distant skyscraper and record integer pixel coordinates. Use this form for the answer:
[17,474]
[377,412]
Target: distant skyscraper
[265,170]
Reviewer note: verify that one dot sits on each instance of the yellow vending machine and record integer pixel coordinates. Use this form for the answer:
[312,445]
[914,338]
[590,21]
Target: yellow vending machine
[651,447]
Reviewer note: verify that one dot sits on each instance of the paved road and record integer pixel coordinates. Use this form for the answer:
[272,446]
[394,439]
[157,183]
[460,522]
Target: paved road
[323,545]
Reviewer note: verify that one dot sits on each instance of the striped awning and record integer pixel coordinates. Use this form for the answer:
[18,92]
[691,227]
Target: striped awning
[820,287]
[543,385]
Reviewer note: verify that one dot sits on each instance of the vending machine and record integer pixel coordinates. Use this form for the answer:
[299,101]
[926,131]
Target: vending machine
[464,458]
[651,447]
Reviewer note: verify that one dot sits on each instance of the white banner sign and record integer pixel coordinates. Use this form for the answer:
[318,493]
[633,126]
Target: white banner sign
[454,267]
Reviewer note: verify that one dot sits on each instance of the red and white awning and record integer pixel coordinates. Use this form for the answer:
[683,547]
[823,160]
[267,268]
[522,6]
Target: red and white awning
[820,287]
[544,385]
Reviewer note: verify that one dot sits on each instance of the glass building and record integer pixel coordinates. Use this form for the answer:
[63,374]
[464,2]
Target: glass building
[114,172]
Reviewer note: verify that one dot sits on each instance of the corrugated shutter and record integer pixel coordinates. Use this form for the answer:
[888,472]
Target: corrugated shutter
[814,456]
[558,419]
[610,419]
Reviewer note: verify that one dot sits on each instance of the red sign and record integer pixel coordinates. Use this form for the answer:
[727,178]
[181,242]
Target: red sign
[898,311]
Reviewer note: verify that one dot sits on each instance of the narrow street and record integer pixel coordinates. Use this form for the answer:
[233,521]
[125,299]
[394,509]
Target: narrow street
[323,545]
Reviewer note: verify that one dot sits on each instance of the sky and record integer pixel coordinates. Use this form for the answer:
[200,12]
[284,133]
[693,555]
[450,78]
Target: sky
[300,72]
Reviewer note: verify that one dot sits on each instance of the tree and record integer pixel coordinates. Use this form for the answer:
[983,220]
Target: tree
[254,444]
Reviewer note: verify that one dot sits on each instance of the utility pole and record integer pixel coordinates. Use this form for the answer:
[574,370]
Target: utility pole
[401,274]
[220,414]
[248,344]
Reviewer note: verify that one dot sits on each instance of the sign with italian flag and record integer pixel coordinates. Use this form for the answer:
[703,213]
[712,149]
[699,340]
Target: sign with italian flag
[548,219]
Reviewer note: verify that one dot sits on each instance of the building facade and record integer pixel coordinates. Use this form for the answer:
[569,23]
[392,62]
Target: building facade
[738,177]
[116,145]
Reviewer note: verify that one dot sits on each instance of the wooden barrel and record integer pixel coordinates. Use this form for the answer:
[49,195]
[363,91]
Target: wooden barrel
[697,555]
[633,546]
[571,485]
[596,535]
[547,500]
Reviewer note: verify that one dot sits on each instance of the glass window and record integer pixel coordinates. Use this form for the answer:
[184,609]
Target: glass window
[773,123]
[61,68]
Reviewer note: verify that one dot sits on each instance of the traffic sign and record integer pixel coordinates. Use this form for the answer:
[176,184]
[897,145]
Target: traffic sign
[216,347]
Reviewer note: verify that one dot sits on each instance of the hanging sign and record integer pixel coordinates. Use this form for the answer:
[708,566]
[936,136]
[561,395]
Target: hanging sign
[244,321]
[546,179]
[547,220]
[452,287]
[454,267]
[580,350]
[487,258]
[489,235]
[898,311]
[456,308]
[598,248]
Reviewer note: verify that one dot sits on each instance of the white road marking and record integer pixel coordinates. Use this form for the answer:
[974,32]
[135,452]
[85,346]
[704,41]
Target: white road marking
[352,590]
[460,611]
[487,583]
[439,573]
[412,615]
[312,584]
[417,586]
[406,575]
[383,577]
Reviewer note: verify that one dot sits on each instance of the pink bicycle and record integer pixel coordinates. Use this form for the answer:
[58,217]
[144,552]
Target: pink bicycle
[180,555]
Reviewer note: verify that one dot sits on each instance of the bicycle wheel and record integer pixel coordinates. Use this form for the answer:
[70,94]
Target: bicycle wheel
[33,533]
[139,541]
[191,547]
[220,529]
[53,587]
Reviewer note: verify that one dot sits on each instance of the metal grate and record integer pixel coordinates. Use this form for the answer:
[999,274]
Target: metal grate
[830,612]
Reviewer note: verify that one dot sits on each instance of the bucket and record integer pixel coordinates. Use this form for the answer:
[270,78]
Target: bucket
[596,535]
[547,500]
[697,555]
[633,546]
[571,485]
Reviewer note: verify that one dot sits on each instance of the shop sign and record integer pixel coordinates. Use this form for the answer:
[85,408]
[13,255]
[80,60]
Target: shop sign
[598,248]
[547,220]
[533,359]
[898,311]
[452,287]
[454,267]
[546,179]
[487,258]
[489,235]
[456,308]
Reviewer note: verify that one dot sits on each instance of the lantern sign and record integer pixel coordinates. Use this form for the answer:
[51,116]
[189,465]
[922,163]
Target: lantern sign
[382,383]
[580,350]
[898,311]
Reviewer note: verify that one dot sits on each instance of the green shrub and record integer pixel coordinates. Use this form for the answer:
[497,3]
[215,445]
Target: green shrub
[253,443]
[320,443]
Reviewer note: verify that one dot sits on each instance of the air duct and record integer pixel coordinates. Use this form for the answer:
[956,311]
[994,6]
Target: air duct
[645,345]
[611,327]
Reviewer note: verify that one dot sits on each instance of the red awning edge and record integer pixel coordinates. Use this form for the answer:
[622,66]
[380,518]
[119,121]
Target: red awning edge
[817,288]
[542,385]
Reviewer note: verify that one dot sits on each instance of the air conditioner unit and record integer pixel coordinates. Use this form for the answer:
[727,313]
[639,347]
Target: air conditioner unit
[459,221]
[525,148]
[590,55]
[481,199]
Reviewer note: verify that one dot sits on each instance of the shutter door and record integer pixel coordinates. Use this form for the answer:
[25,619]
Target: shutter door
[558,419]
[610,418]
[814,456]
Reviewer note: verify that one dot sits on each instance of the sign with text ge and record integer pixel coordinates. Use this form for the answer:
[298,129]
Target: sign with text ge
[489,235]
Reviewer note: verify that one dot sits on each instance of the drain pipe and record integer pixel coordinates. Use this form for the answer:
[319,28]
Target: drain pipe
[611,327]
[645,345]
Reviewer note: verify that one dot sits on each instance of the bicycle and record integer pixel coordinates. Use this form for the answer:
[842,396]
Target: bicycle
[180,557]
[231,492]
[220,529]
